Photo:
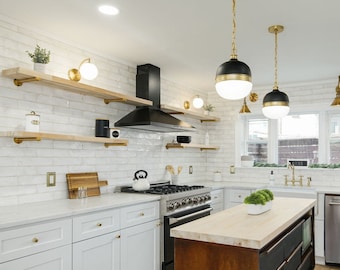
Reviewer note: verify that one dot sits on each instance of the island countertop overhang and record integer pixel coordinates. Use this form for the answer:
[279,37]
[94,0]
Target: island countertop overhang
[236,228]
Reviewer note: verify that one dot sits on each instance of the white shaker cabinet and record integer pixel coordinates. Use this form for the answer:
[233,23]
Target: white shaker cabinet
[101,252]
[39,246]
[217,201]
[124,238]
[96,241]
[54,259]
[140,247]
[235,196]
[140,237]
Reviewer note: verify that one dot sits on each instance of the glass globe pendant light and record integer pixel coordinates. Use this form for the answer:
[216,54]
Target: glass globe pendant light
[233,78]
[275,103]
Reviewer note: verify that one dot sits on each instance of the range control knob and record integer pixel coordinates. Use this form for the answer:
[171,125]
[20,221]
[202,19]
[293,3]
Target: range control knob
[171,206]
[177,205]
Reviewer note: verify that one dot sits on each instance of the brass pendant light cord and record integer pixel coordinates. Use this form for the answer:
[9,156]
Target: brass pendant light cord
[275,29]
[233,42]
[276,86]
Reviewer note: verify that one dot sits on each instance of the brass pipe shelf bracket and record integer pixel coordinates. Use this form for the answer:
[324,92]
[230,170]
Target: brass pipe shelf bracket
[22,139]
[107,101]
[208,120]
[107,145]
[20,82]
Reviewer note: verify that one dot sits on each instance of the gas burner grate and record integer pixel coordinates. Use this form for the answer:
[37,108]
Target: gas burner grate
[163,189]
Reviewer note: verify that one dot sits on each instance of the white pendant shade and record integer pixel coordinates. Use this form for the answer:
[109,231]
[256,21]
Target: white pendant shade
[233,89]
[88,71]
[275,112]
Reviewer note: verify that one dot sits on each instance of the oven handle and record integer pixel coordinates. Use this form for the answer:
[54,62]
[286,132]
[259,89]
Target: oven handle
[175,220]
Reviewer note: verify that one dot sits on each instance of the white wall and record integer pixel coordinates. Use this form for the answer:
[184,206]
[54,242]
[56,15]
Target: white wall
[23,167]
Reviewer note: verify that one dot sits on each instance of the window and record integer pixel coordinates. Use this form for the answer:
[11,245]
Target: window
[298,138]
[257,141]
[292,137]
[334,139]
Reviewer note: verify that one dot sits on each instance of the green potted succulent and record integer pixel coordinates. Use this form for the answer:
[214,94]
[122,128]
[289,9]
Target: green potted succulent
[40,57]
[259,201]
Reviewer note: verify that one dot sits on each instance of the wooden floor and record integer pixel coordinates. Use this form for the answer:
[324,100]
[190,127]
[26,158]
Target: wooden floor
[323,267]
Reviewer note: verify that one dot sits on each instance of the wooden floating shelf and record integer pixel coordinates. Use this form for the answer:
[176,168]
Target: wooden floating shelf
[22,75]
[199,116]
[21,136]
[191,145]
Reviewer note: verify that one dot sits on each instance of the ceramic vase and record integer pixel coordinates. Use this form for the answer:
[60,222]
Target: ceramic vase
[256,209]
[39,67]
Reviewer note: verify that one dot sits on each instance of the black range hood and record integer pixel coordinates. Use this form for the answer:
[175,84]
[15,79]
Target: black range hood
[151,118]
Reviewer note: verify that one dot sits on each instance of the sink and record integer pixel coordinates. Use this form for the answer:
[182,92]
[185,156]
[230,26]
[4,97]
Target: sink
[292,191]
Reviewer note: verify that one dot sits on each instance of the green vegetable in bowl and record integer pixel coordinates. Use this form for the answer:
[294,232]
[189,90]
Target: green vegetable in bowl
[270,193]
[259,197]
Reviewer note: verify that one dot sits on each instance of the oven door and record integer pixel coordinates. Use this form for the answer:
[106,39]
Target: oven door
[174,220]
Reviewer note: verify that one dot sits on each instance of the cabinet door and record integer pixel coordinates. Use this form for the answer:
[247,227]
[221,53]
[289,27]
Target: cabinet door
[54,259]
[217,200]
[140,247]
[101,253]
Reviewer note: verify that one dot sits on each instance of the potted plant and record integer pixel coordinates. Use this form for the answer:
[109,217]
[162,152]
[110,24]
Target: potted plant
[208,108]
[40,57]
[259,201]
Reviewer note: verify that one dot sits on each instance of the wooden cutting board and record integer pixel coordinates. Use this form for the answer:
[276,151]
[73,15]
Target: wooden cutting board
[88,180]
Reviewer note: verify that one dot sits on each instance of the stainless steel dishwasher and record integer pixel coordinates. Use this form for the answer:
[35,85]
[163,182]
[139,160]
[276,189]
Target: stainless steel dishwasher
[332,229]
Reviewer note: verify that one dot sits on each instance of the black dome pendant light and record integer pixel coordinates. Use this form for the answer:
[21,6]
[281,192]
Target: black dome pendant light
[275,103]
[233,78]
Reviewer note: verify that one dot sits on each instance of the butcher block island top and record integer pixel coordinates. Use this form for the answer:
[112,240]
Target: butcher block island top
[235,227]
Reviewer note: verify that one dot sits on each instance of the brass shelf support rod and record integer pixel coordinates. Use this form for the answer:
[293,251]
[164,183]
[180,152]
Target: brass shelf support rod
[20,82]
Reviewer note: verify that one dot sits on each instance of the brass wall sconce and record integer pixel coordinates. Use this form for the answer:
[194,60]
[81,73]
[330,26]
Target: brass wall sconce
[336,101]
[186,105]
[253,97]
[86,69]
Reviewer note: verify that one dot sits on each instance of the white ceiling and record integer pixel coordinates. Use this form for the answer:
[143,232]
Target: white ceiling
[189,39]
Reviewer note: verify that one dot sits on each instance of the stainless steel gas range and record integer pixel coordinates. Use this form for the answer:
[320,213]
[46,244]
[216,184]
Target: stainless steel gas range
[179,204]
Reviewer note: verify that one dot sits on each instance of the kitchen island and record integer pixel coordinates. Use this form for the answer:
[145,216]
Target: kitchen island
[282,238]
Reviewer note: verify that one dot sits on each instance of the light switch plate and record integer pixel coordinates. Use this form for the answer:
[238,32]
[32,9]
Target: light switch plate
[50,179]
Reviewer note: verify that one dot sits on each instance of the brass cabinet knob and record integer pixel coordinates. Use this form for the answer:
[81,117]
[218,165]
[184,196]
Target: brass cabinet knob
[99,224]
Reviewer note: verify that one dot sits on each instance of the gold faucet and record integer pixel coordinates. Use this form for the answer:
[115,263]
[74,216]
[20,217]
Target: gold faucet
[292,167]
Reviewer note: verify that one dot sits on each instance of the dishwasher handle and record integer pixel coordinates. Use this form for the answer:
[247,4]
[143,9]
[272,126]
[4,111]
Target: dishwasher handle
[337,202]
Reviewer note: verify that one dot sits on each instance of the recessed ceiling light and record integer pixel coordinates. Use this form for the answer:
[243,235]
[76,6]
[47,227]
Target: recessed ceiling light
[108,10]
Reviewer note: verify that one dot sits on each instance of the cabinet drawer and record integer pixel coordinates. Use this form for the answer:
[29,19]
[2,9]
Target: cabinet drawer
[217,196]
[238,195]
[138,214]
[55,259]
[91,225]
[23,241]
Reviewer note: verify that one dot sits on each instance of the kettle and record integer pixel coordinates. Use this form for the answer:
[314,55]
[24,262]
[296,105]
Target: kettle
[140,182]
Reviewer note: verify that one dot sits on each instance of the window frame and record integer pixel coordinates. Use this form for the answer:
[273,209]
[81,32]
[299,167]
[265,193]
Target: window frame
[323,135]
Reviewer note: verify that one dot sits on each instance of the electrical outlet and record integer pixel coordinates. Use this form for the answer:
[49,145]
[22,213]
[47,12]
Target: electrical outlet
[191,169]
[51,179]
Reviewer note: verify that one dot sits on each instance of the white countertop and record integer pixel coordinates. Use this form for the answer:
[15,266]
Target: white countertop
[41,211]
[235,227]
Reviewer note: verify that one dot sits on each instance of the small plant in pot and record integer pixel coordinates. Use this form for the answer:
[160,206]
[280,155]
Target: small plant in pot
[208,108]
[259,201]
[40,57]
